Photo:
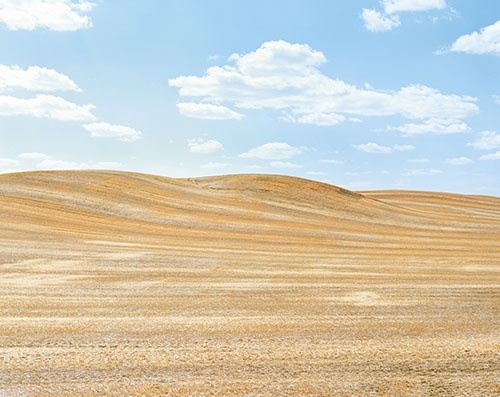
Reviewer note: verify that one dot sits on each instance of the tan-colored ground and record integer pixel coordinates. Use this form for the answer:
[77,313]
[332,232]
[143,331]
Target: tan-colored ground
[125,284]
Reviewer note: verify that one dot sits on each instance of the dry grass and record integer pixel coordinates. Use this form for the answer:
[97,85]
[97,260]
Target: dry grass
[125,284]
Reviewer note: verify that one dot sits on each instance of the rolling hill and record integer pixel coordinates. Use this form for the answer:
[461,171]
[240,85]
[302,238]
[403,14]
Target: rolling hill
[116,283]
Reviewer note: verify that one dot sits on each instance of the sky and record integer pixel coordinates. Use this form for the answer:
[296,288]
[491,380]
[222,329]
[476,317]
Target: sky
[364,94]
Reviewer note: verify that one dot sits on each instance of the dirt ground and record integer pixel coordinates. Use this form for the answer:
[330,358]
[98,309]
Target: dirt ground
[116,284]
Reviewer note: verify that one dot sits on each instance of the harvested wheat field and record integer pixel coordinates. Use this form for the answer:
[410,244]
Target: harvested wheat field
[117,284]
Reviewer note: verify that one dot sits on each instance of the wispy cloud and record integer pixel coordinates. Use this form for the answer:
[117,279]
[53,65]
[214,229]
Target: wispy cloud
[422,172]
[489,140]
[48,106]
[491,156]
[215,165]
[273,151]
[487,41]
[419,161]
[372,147]
[34,78]
[204,147]
[7,162]
[34,156]
[403,148]
[120,132]
[459,161]
[55,164]
[208,112]
[397,6]
[285,77]
[434,126]
[58,15]
[285,164]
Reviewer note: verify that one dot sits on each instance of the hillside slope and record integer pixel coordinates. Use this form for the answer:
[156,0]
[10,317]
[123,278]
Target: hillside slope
[116,284]
[245,212]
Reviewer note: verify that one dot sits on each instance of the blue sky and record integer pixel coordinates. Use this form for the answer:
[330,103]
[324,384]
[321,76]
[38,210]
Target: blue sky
[366,94]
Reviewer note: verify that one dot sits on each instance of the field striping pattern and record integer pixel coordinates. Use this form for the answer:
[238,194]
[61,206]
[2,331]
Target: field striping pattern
[117,283]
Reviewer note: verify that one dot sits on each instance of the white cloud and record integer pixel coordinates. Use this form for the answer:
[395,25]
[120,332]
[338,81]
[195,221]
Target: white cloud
[215,165]
[106,165]
[435,126]
[120,132]
[273,151]
[489,140]
[5,162]
[45,106]
[285,164]
[487,41]
[491,156]
[377,22]
[204,147]
[321,119]
[331,161]
[34,156]
[372,147]
[422,172]
[34,78]
[395,6]
[208,112]
[459,161]
[285,77]
[496,98]
[54,164]
[315,173]
[403,148]
[58,15]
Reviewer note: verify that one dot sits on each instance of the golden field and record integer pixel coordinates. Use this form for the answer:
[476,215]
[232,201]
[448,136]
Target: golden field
[118,284]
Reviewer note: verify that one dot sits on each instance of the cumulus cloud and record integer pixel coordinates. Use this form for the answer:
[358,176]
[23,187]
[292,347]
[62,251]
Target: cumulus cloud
[120,132]
[487,41]
[489,140]
[459,161]
[377,22]
[285,77]
[204,147]
[58,15]
[34,78]
[372,147]
[273,151]
[285,164]
[496,98]
[491,156]
[434,126]
[208,112]
[48,106]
